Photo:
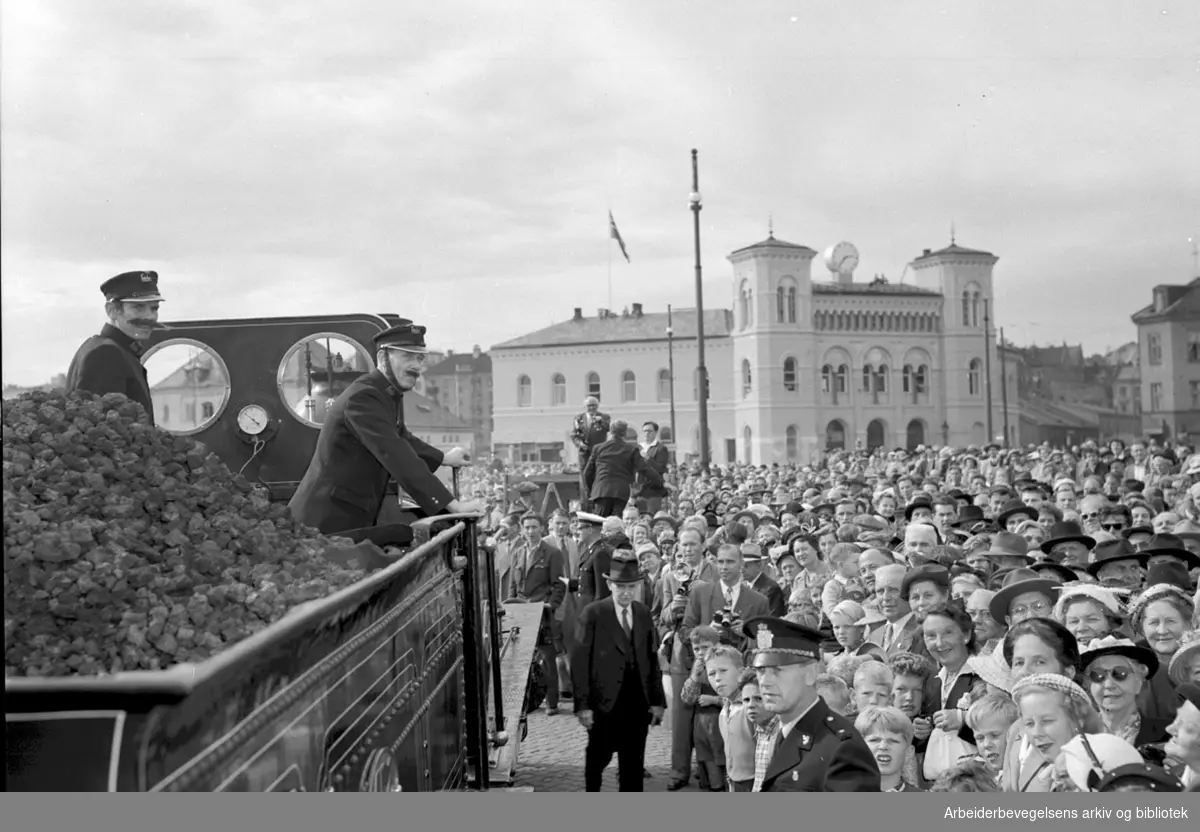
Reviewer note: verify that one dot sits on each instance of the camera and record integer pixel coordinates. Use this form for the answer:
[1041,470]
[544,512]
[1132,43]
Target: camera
[684,586]
[723,619]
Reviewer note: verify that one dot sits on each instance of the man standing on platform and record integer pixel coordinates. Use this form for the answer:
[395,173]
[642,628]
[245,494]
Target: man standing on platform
[591,429]
[618,693]
[658,457]
[611,469]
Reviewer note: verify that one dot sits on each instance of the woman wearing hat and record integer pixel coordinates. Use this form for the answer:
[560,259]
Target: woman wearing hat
[1115,670]
[1185,664]
[1054,711]
[1161,615]
[1090,612]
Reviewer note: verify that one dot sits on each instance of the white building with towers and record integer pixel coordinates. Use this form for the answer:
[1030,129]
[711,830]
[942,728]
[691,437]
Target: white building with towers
[801,364]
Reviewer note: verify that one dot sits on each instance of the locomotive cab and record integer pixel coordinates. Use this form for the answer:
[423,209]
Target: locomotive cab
[413,679]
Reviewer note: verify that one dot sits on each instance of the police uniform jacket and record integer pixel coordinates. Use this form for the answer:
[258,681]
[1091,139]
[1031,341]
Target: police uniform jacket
[111,363]
[594,563]
[823,753]
[363,444]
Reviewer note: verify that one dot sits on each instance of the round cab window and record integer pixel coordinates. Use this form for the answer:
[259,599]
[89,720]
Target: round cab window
[189,385]
[316,370]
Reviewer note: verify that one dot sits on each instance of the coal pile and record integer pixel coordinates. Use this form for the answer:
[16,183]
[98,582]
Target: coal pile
[129,548]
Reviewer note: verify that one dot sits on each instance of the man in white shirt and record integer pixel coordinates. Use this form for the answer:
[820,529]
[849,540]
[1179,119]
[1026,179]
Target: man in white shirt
[817,749]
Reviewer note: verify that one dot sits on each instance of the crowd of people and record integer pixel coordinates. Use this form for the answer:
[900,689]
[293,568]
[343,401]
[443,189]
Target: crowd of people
[947,619]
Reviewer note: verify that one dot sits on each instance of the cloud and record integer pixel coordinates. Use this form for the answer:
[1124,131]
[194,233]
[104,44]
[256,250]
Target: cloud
[456,161]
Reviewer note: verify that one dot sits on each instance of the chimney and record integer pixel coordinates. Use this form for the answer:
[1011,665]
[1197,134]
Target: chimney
[578,314]
[476,352]
[927,252]
[637,310]
[449,353]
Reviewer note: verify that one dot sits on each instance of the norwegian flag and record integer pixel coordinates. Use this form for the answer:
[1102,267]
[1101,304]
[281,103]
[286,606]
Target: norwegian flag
[616,235]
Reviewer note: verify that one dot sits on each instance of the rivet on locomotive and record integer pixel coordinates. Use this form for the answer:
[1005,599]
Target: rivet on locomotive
[415,678]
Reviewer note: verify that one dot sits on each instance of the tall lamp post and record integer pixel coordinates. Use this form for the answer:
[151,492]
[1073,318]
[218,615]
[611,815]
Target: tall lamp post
[701,371]
[671,371]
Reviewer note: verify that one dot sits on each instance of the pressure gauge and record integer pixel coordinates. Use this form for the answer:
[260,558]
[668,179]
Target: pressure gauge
[253,419]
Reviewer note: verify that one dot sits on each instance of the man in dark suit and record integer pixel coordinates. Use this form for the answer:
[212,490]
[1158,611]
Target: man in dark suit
[752,571]
[537,576]
[111,362]
[364,443]
[901,633]
[595,553]
[816,749]
[658,457]
[589,431]
[618,691]
[610,470]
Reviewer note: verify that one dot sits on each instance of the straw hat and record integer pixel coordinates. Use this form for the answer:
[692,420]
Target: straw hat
[1180,669]
[1110,751]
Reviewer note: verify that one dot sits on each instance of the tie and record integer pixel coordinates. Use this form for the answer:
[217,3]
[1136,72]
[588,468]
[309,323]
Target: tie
[625,622]
[728,597]
[888,635]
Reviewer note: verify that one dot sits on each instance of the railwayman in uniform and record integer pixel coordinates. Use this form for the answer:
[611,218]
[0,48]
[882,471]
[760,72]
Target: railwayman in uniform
[111,362]
[816,749]
[364,443]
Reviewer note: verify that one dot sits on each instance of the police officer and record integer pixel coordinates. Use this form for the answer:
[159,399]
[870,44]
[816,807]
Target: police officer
[816,749]
[111,362]
[364,443]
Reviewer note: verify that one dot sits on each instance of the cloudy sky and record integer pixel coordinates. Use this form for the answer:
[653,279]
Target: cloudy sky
[454,161]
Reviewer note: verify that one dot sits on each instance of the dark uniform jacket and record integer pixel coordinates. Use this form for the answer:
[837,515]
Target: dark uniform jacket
[773,592]
[823,753]
[611,468]
[594,563]
[363,444]
[111,363]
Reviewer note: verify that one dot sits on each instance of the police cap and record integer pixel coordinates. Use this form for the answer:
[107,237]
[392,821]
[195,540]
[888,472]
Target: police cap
[405,335]
[782,642]
[139,287]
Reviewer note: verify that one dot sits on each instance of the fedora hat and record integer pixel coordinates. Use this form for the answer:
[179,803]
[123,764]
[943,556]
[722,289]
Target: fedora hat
[624,570]
[1168,573]
[932,572]
[920,502]
[1015,507]
[1062,573]
[1171,545]
[1008,545]
[1111,551]
[969,516]
[1008,593]
[1067,531]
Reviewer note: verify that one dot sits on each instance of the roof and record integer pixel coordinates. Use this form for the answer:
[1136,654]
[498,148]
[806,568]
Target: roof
[771,242]
[423,413]
[872,289]
[1183,300]
[1051,415]
[1061,356]
[954,249]
[465,363]
[645,327]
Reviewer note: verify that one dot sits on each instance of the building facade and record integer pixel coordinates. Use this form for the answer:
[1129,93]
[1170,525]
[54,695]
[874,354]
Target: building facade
[462,384]
[1169,353]
[797,366]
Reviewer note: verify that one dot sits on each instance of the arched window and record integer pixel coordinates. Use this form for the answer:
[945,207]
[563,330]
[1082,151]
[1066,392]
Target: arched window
[745,304]
[746,377]
[827,379]
[790,383]
[975,309]
[785,300]
[843,379]
[558,388]
[593,385]
[868,374]
[524,392]
[921,380]
[966,309]
[628,386]
[907,375]
[973,376]
[881,379]
[780,302]
[791,443]
[748,444]
[664,386]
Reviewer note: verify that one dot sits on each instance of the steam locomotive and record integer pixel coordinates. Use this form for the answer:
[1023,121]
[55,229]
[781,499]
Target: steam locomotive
[416,678]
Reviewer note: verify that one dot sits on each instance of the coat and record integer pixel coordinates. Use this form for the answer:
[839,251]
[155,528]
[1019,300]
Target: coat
[599,659]
[611,468]
[537,575]
[594,561]
[585,436]
[362,445]
[704,600]
[910,640]
[110,363]
[770,590]
[822,753]
[569,547]
[657,457]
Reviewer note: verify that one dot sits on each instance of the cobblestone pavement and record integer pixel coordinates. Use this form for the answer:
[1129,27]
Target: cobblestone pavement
[551,758]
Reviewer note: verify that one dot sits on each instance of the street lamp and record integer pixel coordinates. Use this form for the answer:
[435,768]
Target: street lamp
[671,371]
[694,200]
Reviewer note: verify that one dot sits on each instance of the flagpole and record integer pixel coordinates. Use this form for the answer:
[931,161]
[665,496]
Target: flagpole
[610,242]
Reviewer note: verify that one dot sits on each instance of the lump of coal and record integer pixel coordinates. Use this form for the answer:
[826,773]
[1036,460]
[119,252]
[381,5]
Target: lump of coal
[129,548]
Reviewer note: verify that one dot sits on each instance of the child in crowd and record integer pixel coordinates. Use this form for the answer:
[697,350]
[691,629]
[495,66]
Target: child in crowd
[889,734]
[972,775]
[835,692]
[872,686]
[991,718]
[725,674]
[846,584]
[706,728]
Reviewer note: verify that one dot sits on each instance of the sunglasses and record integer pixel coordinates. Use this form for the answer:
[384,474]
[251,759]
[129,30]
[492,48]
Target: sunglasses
[1119,674]
[1112,527]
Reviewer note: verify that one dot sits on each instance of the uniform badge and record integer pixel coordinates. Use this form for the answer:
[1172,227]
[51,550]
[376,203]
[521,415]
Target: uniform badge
[145,277]
[765,637]
[795,776]
[805,740]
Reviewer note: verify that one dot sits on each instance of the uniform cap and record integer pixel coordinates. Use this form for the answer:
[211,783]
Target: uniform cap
[405,335]
[782,642]
[132,286]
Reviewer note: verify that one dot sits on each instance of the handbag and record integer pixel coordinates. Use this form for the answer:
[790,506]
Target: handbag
[943,752]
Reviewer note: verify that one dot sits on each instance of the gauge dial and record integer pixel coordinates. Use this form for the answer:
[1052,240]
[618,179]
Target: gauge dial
[253,419]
